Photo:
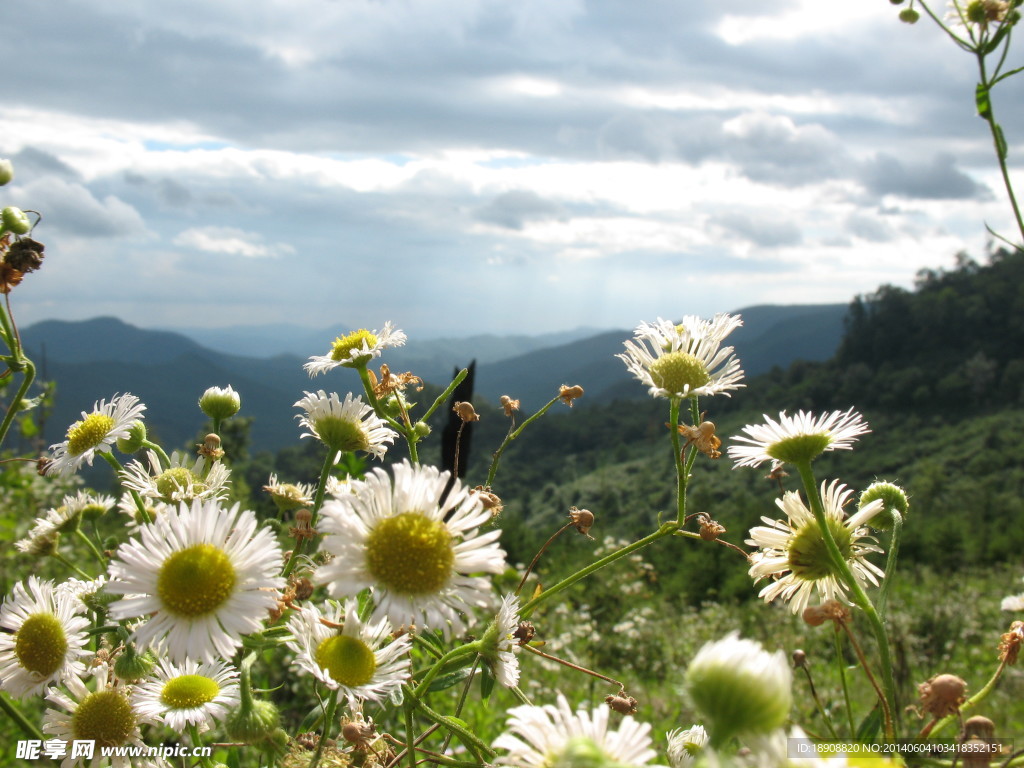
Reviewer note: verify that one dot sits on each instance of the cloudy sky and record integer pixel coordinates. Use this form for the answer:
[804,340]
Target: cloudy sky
[463,166]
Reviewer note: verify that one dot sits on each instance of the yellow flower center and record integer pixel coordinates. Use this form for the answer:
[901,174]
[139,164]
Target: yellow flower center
[189,691]
[807,555]
[679,373]
[176,479]
[344,346]
[349,660]
[342,434]
[40,644]
[88,433]
[195,581]
[410,554]
[106,717]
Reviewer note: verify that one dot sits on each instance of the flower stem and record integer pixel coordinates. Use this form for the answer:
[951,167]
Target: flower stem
[332,706]
[118,469]
[540,552]
[18,717]
[998,140]
[841,667]
[677,459]
[860,598]
[665,530]
[972,702]
[434,671]
[472,742]
[318,501]
[92,547]
[890,560]
[512,435]
[59,557]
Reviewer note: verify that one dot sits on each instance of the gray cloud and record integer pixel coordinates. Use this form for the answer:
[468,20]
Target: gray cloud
[761,230]
[514,209]
[938,179]
[72,209]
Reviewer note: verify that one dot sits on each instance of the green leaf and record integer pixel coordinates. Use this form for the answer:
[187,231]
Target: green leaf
[997,38]
[870,726]
[981,101]
[452,678]
[1001,146]
[486,682]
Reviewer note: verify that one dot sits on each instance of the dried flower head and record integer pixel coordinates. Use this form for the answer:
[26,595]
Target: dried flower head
[1010,642]
[582,519]
[831,610]
[465,412]
[702,437]
[622,703]
[508,404]
[489,499]
[389,383]
[942,695]
[710,530]
[568,394]
[210,448]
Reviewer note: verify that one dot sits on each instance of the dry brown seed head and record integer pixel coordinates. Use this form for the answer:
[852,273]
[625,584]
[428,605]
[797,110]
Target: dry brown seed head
[211,447]
[709,529]
[568,394]
[1010,642]
[622,703]
[359,733]
[465,412]
[799,658]
[942,695]
[489,499]
[303,589]
[524,633]
[979,726]
[582,519]
[508,404]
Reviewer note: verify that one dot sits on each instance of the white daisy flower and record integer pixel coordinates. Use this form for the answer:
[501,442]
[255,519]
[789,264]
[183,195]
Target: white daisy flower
[344,426]
[499,644]
[96,431]
[105,716]
[356,349]
[80,589]
[416,553]
[41,538]
[685,745]
[183,481]
[685,360]
[542,736]
[45,638]
[188,694]
[202,576]
[62,519]
[348,656]
[739,687]
[792,551]
[797,438]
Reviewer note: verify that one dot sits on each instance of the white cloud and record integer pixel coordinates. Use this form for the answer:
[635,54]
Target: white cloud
[231,242]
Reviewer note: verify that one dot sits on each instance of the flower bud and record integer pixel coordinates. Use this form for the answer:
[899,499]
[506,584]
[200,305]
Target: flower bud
[909,16]
[14,220]
[132,666]
[740,688]
[220,404]
[254,725]
[422,428]
[6,171]
[893,498]
[136,437]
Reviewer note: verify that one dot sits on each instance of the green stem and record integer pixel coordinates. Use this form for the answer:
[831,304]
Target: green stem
[27,727]
[665,530]
[332,706]
[410,733]
[860,598]
[841,667]
[998,141]
[193,732]
[462,700]
[92,547]
[159,452]
[13,409]
[512,436]
[890,560]
[456,653]
[677,458]
[472,742]
[459,377]
[60,558]
[408,432]
[318,501]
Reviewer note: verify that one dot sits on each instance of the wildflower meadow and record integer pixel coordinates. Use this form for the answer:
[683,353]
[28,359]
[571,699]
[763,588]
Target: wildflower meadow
[374,617]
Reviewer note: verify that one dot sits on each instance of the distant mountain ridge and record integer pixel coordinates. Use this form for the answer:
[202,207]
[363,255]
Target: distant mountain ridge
[95,359]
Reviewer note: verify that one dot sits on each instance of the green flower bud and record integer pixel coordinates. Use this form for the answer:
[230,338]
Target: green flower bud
[6,171]
[136,437]
[740,688]
[254,725]
[14,220]
[422,428]
[909,16]
[892,496]
[220,404]
[132,666]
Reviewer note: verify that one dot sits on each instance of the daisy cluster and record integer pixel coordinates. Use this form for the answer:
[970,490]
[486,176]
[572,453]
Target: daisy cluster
[200,586]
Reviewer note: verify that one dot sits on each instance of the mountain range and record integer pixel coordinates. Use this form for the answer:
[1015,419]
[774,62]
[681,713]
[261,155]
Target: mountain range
[95,359]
